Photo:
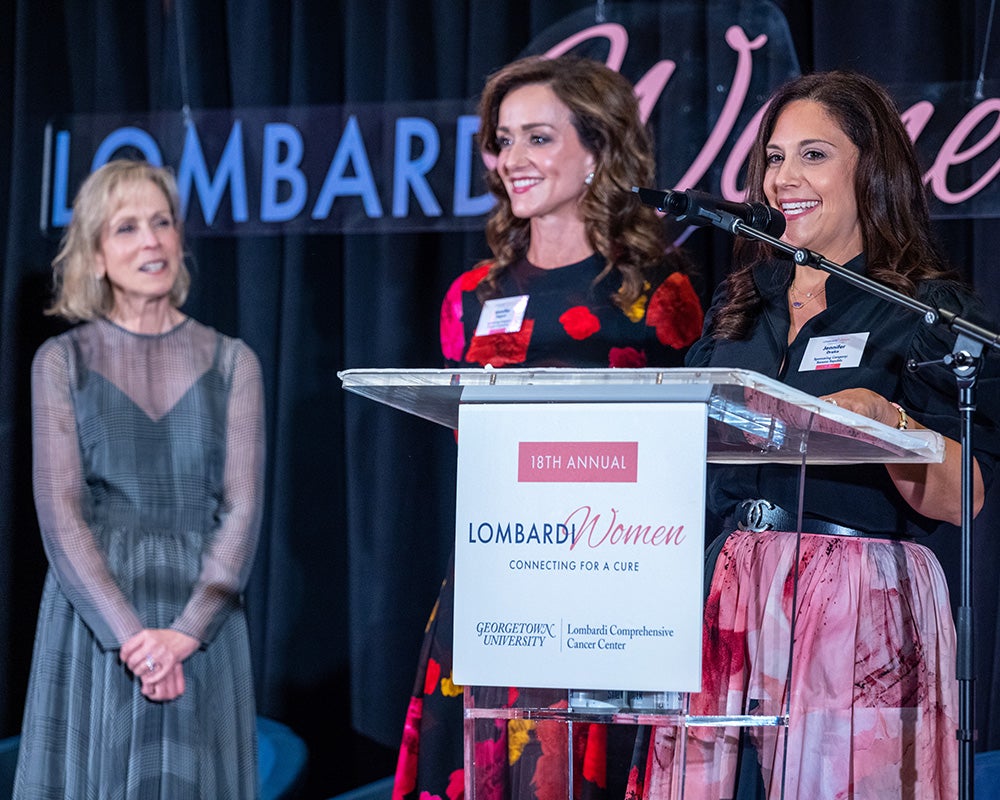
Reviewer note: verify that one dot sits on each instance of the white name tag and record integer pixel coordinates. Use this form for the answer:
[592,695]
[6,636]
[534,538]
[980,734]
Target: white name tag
[834,352]
[502,315]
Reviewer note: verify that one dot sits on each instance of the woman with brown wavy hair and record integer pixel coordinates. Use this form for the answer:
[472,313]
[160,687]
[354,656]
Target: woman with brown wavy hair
[565,144]
[602,111]
[581,276]
[872,695]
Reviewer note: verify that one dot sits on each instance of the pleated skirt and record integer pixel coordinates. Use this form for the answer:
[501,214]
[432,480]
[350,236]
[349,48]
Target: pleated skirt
[88,732]
[872,699]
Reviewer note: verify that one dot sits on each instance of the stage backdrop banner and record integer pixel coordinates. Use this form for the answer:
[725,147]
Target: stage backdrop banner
[580,545]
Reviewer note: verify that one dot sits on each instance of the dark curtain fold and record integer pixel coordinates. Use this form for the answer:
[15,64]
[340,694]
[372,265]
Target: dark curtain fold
[359,504]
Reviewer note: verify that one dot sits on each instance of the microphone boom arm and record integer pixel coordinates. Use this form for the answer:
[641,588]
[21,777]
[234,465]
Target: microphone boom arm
[969,345]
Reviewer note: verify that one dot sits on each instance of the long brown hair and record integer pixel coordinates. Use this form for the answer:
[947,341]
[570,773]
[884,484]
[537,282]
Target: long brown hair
[888,186]
[605,113]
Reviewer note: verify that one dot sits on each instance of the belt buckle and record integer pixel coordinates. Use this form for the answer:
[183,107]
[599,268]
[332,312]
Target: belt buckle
[753,514]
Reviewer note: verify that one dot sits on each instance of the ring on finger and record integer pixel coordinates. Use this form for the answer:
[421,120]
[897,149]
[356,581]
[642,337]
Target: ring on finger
[151,665]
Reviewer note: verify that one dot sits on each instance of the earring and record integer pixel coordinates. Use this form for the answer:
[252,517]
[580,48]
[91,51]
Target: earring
[589,179]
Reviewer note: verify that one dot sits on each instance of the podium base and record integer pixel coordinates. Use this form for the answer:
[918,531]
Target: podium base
[613,702]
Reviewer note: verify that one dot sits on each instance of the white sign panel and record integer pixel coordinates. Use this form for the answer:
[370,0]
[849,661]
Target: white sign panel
[580,545]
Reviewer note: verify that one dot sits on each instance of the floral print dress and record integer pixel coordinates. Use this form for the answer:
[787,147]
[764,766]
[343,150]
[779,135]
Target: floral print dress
[569,321]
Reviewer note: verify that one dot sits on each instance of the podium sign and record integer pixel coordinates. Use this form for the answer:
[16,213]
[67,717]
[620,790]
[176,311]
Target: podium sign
[548,496]
[580,545]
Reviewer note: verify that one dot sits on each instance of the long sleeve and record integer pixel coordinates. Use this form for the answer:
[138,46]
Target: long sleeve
[228,556]
[62,503]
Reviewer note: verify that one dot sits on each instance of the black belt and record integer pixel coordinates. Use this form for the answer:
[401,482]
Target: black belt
[763,515]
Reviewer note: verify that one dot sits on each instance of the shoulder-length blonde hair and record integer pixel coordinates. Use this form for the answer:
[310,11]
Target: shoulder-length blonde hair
[605,113]
[79,293]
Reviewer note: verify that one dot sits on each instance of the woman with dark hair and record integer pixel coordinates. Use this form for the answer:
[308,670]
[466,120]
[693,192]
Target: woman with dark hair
[581,276]
[148,447]
[872,707]
[602,111]
[892,213]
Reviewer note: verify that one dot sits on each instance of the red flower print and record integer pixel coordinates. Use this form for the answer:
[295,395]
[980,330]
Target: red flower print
[452,329]
[501,349]
[723,651]
[580,322]
[456,785]
[431,678]
[595,757]
[491,762]
[636,786]
[550,770]
[470,280]
[406,768]
[675,312]
[626,357]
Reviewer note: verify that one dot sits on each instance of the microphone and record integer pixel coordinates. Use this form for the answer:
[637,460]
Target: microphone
[700,208]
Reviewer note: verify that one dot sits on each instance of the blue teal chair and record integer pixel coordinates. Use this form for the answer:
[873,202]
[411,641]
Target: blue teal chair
[281,760]
[8,761]
[987,772]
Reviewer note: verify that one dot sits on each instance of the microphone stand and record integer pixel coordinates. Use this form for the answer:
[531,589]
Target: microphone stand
[964,363]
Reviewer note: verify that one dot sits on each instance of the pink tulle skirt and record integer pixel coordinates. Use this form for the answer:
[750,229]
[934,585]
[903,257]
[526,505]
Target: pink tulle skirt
[873,699]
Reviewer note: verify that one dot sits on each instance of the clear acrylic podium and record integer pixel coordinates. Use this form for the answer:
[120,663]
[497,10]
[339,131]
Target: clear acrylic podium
[747,418]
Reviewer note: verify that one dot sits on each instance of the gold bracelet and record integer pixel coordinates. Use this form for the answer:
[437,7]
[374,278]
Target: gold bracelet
[904,420]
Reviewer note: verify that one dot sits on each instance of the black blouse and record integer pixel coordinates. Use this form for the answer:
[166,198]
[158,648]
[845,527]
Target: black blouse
[858,496]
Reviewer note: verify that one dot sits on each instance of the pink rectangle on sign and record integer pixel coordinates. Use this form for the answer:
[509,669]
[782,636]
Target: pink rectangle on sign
[578,462]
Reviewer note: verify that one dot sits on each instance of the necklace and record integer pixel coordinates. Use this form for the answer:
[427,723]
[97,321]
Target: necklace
[810,296]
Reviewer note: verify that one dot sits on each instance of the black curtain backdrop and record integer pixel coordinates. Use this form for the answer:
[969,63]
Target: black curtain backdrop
[359,505]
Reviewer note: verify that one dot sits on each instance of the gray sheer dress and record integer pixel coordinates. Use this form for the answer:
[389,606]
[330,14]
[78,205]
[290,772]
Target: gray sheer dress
[148,474]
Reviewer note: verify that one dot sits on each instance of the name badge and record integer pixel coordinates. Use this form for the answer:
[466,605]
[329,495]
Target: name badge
[834,352]
[502,315]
